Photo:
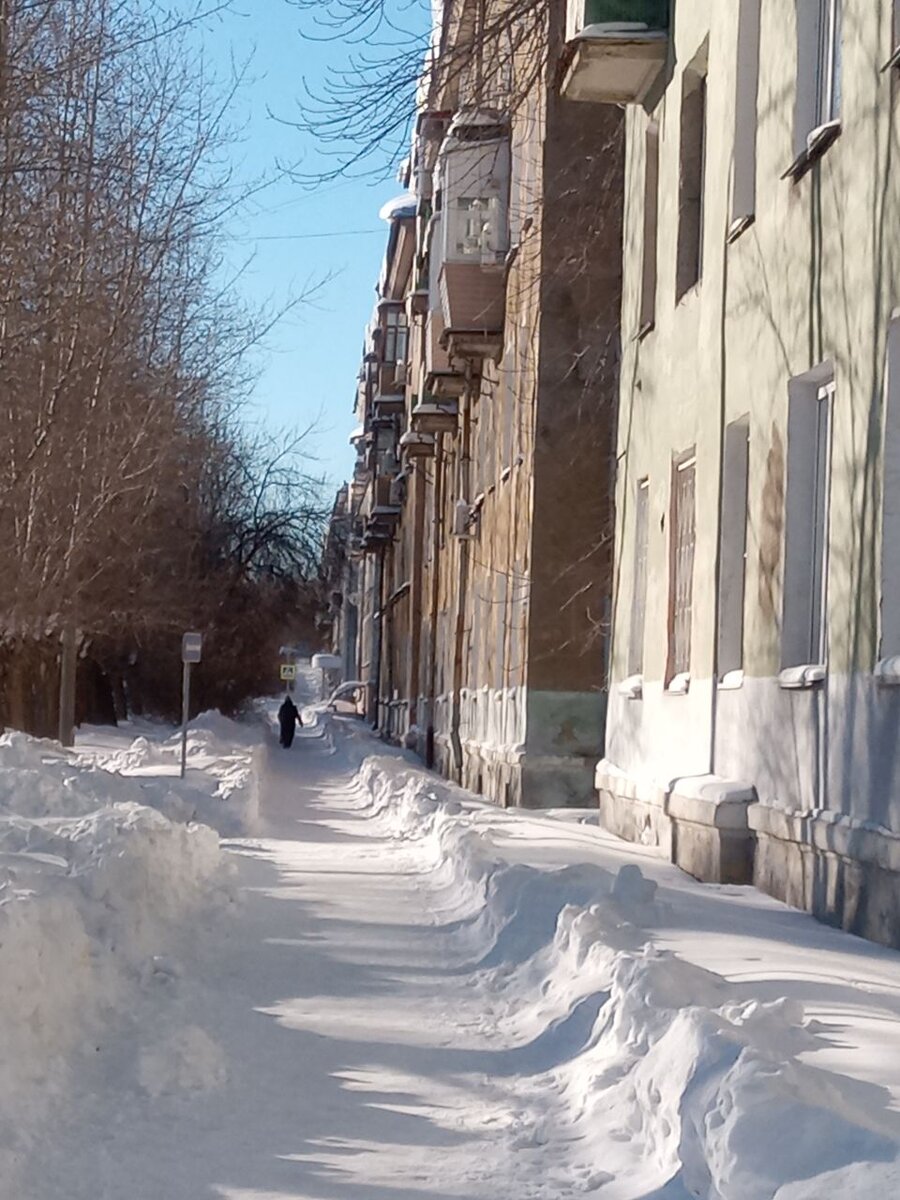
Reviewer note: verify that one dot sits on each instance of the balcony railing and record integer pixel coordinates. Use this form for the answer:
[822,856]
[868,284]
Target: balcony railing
[617,49]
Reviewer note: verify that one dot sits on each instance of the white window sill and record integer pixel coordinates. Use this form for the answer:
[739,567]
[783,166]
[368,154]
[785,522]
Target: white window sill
[679,685]
[644,329]
[731,681]
[738,226]
[632,688]
[887,671]
[818,140]
[805,676]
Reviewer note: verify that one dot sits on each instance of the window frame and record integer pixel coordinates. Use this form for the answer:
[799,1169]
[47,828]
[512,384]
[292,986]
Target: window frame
[807,536]
[889,580]
[650,245]
[894,61]
[817,113]
[689,252]
[396,337]
[732,575]
[639,578]
[681,581]
[746,118]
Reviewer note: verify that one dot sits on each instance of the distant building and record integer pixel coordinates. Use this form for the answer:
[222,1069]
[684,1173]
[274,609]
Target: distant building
[482,552]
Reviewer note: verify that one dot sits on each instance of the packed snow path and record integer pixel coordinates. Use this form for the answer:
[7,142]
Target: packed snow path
[330,1008]
[421,999]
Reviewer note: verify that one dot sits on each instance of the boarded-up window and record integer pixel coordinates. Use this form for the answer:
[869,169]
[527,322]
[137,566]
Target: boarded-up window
[806,526]
[639,596]
[651,221]
[681,562]
[639,599]
[733,548]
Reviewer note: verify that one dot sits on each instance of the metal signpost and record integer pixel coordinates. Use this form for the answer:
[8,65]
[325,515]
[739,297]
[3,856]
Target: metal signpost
[191,648]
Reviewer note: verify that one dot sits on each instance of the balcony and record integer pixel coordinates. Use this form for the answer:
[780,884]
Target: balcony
[381,510]
[416,445]
[473,300]
[374,540]
[616,50]
[433,417]
[472,237]
[444,379]
[389,404]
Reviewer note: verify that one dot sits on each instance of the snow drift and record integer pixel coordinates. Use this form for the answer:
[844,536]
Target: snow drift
[103,873]
[669,1081]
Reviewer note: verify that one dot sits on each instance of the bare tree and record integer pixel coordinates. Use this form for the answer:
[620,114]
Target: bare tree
[122,355]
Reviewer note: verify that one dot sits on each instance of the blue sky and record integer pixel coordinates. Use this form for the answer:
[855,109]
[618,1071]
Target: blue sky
[308,367]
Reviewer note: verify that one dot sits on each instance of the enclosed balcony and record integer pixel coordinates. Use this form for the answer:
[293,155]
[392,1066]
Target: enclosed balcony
[444,378]
[433,417]
[385,506]
[381,509]
[616,50]
[472,237]
[416,445]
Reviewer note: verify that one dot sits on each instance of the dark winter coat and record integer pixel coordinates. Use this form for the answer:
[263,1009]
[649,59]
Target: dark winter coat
[288,719]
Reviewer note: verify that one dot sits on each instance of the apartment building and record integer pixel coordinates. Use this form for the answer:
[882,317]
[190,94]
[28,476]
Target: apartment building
[481,524]
[754,711]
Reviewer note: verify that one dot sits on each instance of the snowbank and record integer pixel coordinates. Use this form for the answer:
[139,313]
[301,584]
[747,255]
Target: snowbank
[224,766]
[103,874]
[668,1081]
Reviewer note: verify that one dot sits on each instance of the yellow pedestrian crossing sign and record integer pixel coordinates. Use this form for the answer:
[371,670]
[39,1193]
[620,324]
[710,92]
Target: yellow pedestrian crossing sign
[288,671]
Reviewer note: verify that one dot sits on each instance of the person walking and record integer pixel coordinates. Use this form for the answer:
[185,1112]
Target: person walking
[288,720]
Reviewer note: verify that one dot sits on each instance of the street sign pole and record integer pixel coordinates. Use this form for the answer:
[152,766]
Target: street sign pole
[185,712]
[191,649]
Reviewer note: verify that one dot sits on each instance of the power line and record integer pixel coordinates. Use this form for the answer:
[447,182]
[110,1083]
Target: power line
[298,237]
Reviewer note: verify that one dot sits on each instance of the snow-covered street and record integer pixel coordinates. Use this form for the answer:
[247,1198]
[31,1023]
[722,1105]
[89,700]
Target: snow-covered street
[392,989]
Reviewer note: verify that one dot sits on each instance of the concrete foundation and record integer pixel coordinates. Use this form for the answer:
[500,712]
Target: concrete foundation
[700,823]
[843,872]
[519,748]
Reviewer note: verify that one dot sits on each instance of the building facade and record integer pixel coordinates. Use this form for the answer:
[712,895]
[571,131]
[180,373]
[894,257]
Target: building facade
[754,711]
[481,511]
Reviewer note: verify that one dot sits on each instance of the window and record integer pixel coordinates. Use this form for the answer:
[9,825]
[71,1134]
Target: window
[828,65]
[681,568]
[733,549]
[743,188]
[806,519]
[395,335]
[890,527]
[477,222]
[639,595]
[651,214]
[894,60]
[691,180]
[817,109]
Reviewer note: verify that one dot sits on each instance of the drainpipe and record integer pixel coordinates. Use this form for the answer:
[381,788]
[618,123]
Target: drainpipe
[377,618]
[462,586]
[435,592]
